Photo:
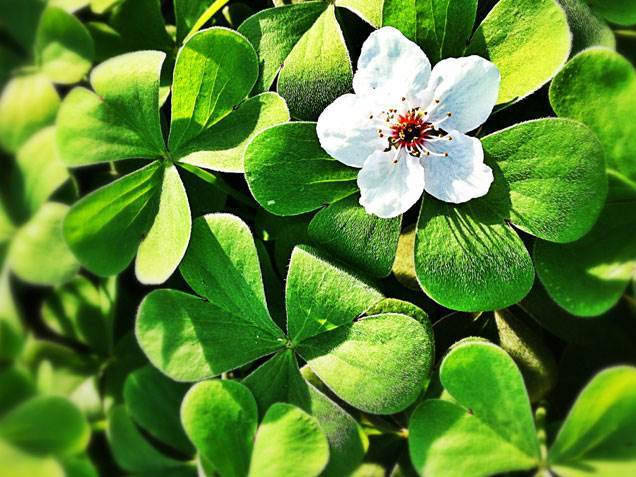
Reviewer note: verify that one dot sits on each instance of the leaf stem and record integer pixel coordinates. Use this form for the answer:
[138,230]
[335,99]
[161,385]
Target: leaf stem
[220,184]
[209,13]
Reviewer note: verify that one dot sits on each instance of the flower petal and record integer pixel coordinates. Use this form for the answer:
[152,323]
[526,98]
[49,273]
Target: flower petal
[465,87]
[346,132]
[391,64]
[388,189]
[462,175]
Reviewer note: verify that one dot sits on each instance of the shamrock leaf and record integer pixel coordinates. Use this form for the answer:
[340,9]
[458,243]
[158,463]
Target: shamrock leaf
[221,418]
[587,277]
[287,39]
[488,427]
[63,51]
[232,327]
[588,27]
[147,213]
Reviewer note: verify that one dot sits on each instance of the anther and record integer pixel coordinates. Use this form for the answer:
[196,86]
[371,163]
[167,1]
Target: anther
[437,101]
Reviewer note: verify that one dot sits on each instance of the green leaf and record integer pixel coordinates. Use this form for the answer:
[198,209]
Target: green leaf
[596,87]
[379,364]
[46,424]
[105,228]
[488,430]
[26,464]
[549,178]
[186,13]
[189,338]
[141,25]
[64,49]
[363,240]
[289,442]
[130,449]
[78,311]
[442,28]
[621,12]
[588,28]
[528,40]
[222,265]
[310,81]
[165,244]
[38,253]
[28,104]
[153,401]
[21,23]
[16,386]
[215,70]
[220,417]
[278,380]
[121,119]
[222,146]
[597,437]
[369,10]
[39,172]
[587,277]
[314,300]
[467,259]
[290,174]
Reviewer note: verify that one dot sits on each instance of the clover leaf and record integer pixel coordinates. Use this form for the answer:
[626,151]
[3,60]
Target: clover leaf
[221,419]
[232,327]
[304,46]
[147,213]
[487,427]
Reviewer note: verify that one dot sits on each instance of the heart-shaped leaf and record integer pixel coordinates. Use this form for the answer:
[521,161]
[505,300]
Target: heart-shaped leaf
[528,40]
[290,174]
[488,430]
[220,417]
[314,295]
[597,87]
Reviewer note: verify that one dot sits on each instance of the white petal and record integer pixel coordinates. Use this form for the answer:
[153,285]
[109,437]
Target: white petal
[462,175]
[391,64]
[388,189]
[346,132]
[465,87]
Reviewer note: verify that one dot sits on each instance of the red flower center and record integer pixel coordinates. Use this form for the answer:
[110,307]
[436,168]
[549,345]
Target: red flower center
[410,130]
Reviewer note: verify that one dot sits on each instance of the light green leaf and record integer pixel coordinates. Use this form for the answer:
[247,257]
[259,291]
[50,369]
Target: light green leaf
[369,10]
[290,174]
[222,265]
[379,364]
[38,253]
[467,259]
[28,104]
[46,424]
[101,6]
[215,70]
[121,119]
[314,300]
[153,401]
[64,49]
[104,229]
[289,442]
[220,417]
[490,428]
[621,12]
[597,437]
[69,5]
[588,28]
[597,87]
[363,240]
[40,172]
[441,27]
[24,464]
[130,449]
[528,40]
[222,146]
[587,277]
[165,244]
[549,178]
[189,338]
[310,81]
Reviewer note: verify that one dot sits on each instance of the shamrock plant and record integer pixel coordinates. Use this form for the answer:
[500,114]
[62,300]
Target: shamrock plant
[405,128]
[378,363]
[483,423]
[147,213]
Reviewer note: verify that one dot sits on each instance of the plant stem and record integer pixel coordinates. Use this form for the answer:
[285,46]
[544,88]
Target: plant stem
[209,13]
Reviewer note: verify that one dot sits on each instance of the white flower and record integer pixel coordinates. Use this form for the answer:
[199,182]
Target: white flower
[405,125]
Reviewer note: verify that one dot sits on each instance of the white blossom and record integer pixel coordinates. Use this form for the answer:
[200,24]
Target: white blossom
[405,125]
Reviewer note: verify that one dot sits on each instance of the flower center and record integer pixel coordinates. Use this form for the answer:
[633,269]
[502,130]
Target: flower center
[410,130]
